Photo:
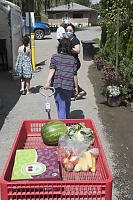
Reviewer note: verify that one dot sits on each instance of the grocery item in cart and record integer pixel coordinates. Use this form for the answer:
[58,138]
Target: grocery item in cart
[76,156]
[51,132]
[86,162]
[81,134]
[36,164]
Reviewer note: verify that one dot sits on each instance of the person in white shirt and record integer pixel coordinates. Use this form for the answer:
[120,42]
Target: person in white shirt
[60,32]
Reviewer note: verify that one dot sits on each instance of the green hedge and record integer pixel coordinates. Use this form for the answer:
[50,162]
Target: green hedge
[108,40]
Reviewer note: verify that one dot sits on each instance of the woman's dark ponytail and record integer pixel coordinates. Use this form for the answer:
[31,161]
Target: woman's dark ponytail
[26,41]
[24,48]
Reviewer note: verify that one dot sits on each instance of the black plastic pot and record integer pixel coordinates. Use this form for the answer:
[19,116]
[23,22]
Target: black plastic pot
[99,67]
[114,101]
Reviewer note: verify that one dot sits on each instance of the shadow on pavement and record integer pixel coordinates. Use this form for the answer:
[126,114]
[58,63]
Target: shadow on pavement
[46,38]
[9,94]
[36,89]
[41,63]
[103,103]
[39,66]
[81,98]
[77,114]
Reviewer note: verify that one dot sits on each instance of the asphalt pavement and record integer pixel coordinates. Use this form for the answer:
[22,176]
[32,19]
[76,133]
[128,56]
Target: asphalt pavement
[17,108]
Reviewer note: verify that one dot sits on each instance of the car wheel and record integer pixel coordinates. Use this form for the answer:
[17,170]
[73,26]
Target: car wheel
[39,34]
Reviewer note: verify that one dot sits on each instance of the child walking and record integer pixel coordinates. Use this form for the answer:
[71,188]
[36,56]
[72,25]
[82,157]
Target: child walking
[63,76]
[24,66]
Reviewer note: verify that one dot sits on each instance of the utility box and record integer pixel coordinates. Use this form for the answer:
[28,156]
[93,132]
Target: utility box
[11,32]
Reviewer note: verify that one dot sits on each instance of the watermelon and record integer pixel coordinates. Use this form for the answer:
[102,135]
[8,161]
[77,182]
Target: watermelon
[51,132]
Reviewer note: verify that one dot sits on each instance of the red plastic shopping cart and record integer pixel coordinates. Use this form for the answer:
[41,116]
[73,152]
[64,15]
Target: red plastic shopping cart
[74,186]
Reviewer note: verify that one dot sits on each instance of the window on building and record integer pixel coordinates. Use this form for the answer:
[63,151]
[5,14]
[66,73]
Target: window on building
[50,16]
[56,16]
[77,15]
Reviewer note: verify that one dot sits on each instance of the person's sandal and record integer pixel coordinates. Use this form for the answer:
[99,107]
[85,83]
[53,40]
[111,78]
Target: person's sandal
[28,92]
[73,98]
[81,94]
[23,92]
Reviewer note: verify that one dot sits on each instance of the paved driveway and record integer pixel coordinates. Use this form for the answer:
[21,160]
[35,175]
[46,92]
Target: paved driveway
[32,106]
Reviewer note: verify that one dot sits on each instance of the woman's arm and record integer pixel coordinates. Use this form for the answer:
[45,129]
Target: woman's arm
[76,84]
[76,49]
[50,75]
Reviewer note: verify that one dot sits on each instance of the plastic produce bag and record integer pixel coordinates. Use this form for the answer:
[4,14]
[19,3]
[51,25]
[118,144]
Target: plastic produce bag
[65,143]
[94,152]
[70,151]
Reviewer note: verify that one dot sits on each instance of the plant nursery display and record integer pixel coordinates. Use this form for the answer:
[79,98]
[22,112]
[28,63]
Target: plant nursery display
[116,46]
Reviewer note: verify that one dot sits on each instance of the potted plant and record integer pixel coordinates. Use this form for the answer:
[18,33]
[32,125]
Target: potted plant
[113,94]
[112,87]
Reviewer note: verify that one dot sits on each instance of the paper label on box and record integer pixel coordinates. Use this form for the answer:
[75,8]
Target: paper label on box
[33,168]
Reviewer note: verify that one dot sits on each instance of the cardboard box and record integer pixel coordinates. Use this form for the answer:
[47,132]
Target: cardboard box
[36,164]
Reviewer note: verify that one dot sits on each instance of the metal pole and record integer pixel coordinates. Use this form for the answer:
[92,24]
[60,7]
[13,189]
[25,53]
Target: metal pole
[117,40]
[29,26]
[33,51]
[49,116]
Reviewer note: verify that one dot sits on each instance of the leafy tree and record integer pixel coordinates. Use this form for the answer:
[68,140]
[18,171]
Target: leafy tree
[108,12]
[96,6]
[36,5]
[14,1]
[130,46]
[83,2]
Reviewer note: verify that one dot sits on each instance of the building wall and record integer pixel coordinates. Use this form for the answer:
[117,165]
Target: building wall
[92,18]
[79,21]
[55,21]
[5,33]
[88,18]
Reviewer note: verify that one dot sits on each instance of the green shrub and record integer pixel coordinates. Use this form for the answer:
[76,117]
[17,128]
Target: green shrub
[108,12]
[126,71]
[130,46]
[103,36]
[96,40]
[124,38]
[109,49]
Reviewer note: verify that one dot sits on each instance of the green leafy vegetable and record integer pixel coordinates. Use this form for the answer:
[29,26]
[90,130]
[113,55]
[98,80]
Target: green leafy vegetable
[81,133]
